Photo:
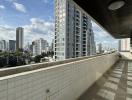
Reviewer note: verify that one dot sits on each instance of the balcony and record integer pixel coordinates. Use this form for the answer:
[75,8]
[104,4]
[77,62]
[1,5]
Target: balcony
[116,84]
[99,77]
[64,80]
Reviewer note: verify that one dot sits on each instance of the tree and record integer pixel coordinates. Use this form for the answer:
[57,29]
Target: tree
[4,54]
[20,50]
[52,53]
[21,61]
[37,58]
[44,54]
[12,61]
[3,61]
[18,53]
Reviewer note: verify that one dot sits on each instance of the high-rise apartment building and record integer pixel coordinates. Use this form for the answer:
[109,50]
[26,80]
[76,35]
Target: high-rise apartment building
[40,46]
[12,45]
[124,44]
[73,31]
[19,38]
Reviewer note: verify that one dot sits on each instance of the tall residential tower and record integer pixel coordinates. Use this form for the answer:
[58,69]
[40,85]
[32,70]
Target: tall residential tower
[73,31]
[19,38]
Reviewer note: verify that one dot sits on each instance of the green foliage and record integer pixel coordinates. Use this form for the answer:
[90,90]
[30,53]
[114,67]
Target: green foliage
[4,54]
[37,58]
[13,58]
[50,53]
[44,54]
[12,61]
[18,53]
[18,58]
[3,61]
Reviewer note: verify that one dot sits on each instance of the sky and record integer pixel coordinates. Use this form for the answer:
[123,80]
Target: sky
[37,18]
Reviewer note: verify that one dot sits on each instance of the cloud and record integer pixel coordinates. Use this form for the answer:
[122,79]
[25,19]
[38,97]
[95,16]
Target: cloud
[2,7]
[7,33]
[39,28]
[45,1]
[101,36]
[49,2]
[19,7]
[11,0]
[99,32]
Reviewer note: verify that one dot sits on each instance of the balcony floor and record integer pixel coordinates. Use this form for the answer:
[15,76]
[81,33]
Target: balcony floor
[116,84]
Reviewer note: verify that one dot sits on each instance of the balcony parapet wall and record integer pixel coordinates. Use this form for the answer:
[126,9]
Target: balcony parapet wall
[62,80]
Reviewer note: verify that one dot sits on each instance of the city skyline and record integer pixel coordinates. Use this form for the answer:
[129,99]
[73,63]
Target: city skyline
[19,40]
[38,22]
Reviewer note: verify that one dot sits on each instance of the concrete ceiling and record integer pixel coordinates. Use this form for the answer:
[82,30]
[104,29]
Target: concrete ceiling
[118,23]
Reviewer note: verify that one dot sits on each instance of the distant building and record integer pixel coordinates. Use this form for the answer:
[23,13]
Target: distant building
[99,49]
[40,46]
[119,45]
[7,46]
[19,38]
[27,47]
[73,31]
[92,43]
[12,45]
[3,45]
[51,47]
[124,44]
[31,47]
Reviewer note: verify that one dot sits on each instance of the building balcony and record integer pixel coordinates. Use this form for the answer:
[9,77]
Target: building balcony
[99,77]
[115,84]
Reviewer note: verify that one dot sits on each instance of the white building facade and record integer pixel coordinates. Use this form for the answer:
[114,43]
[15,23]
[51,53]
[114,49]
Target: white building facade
[73,31]
[4,45]
[40,46]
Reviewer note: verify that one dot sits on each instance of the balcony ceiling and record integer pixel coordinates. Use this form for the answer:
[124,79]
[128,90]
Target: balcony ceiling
[118,23]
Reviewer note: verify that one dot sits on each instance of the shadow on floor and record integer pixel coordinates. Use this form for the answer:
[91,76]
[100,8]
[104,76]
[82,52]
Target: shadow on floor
[113,85]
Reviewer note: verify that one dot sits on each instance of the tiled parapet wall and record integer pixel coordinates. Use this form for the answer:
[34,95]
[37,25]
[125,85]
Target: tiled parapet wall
[65,81]
[20,69]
